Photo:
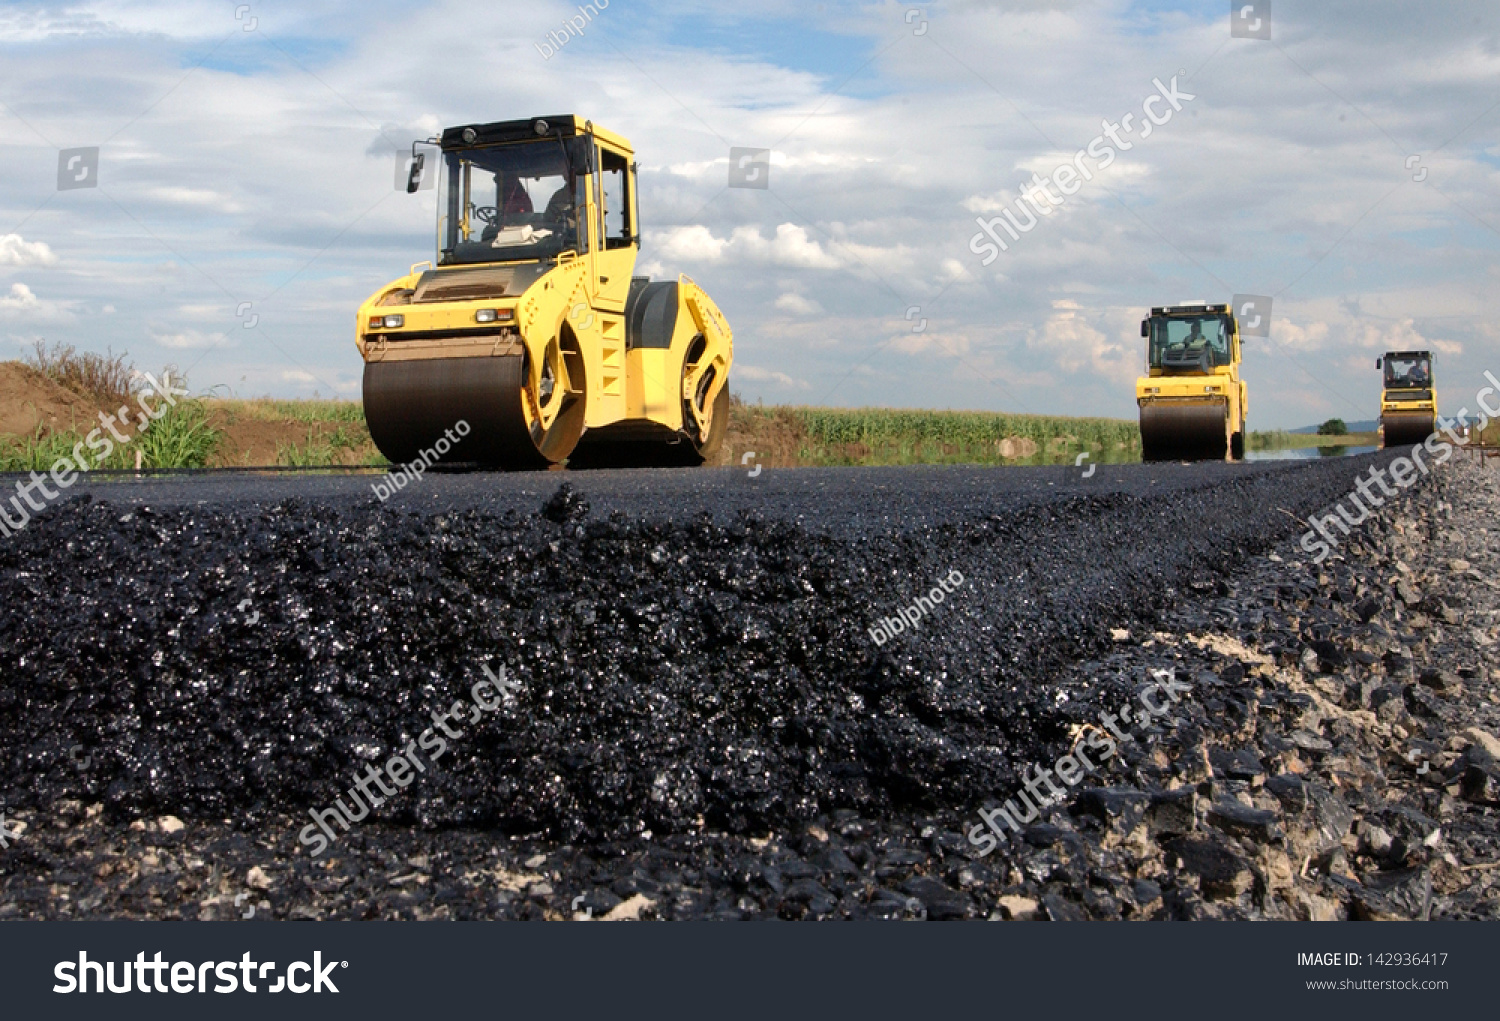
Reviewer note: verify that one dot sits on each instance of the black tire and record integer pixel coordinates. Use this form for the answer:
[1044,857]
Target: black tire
[681,450]
[709,448]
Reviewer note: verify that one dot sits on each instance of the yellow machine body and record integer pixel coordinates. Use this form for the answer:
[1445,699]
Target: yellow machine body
[1408,400]
[530,328]
[1192,400]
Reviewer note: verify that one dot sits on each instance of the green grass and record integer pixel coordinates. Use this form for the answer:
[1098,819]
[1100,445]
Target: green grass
[181,438]
[297,411]
[320,451]
[37,452]
[1280,439]
[896,436]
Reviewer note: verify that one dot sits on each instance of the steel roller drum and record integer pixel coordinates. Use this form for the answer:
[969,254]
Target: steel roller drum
[1183,431]
[409,405]
[1403,428]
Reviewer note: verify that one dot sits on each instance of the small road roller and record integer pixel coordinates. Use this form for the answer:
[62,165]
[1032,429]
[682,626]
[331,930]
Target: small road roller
[1192,400]
[530,326]
[1408,401]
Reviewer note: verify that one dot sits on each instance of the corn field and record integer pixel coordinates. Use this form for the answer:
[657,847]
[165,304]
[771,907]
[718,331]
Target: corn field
[872,426]
[837,436]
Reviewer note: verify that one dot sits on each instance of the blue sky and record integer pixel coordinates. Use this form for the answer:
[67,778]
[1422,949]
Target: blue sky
[253,167]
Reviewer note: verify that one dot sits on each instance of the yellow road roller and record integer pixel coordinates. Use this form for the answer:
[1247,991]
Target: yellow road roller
[1408,401]
[530,328]
[1192,400]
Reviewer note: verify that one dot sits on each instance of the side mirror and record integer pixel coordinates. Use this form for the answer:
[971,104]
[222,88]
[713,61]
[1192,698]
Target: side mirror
[415,180]
[1378,361]
[1145,327]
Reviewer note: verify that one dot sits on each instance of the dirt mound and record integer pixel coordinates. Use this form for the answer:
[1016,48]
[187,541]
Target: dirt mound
[248,441]
[29,399]
[1015,447]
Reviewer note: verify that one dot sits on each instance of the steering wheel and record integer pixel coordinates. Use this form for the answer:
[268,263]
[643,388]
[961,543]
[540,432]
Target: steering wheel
[486,214]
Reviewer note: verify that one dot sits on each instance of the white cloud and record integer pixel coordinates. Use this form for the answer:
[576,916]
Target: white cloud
[20,298]
[699,169]
[688,244]
[201,312]
[985,204]
[22,305]
[790,246]
[196,198]
[1398,336]
[1305,336]
[1076,345]
[17,251]
[797,305]
[104,19]
[758,375]
[189,339]
[950,344]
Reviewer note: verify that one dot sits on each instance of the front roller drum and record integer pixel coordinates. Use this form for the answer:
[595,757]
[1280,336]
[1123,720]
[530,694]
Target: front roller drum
[1184,432]
[1404,428]
[409,405]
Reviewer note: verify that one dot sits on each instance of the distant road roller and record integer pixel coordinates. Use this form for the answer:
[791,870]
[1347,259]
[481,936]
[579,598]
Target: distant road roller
[1192,400]
[531,327]
[1408,401]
